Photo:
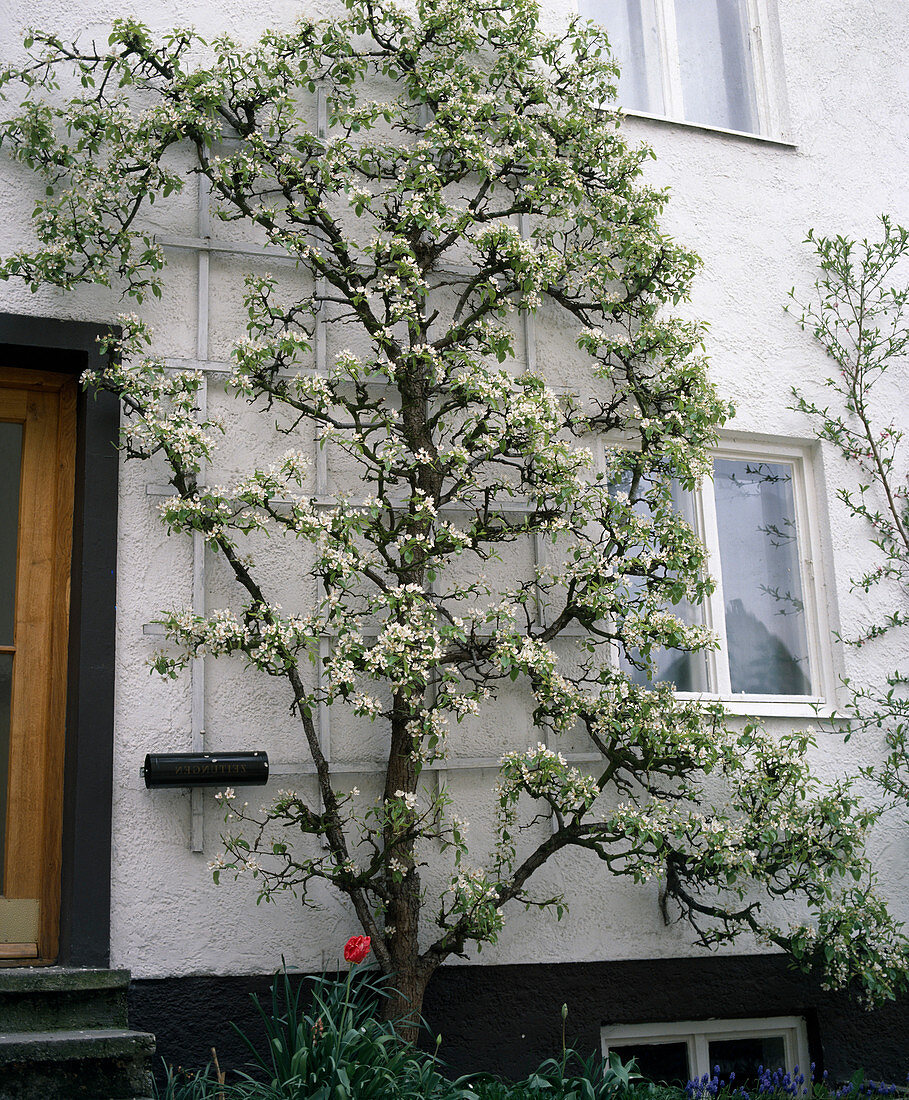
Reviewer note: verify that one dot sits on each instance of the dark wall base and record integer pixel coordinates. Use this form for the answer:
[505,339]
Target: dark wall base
[508,1018]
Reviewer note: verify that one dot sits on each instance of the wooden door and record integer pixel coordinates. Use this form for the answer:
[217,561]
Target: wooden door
[37,451]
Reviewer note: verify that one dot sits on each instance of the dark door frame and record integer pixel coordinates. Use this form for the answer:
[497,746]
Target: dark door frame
[71,347]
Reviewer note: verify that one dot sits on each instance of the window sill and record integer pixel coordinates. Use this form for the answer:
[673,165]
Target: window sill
[766,706]
[762,139]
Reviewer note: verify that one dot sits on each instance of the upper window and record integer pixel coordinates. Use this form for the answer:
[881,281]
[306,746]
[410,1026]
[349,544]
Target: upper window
[698,61]
[680,1052]
[754,518]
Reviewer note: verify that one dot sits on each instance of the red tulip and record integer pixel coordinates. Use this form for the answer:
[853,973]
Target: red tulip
[356,949]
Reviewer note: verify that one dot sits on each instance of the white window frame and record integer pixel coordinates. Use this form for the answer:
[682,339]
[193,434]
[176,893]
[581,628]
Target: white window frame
[764,45]
[813,583]
[808,542]
[697,1035]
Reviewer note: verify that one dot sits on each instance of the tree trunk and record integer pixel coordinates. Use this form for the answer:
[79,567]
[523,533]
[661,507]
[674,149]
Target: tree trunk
[404,1005]
[410,975]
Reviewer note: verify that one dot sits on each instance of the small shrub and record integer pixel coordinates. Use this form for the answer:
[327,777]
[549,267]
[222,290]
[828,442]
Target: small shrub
[337,1049]
[183,1084]
[570,1077]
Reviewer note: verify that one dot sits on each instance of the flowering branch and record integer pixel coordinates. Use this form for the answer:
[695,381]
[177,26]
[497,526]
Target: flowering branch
[859,316]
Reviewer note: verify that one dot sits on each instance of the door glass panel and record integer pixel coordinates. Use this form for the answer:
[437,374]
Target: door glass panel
[10,461]
[748,1058]
[663,1062]
[766,628]
[6,683]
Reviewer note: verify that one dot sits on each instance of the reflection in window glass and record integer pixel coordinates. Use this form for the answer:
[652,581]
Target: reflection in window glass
[10,458]
[746,1058]
[666,1063]
[685,670]
[766,628]
[632,32]
[715,63]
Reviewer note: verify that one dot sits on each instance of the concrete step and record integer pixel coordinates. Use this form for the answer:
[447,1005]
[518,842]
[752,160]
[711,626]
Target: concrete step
[43,998]
[75,1064]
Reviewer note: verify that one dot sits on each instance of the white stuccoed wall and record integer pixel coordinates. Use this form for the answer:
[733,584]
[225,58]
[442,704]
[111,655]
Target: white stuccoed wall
[745,206]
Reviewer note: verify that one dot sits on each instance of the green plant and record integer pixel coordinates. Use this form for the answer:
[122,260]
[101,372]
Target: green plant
[570,1077]
[183,1084]
[326,1042]
[780,1084]
[859,314]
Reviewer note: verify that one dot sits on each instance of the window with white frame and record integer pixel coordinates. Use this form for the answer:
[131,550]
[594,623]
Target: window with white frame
[699,61]
[756,520]
[680,1052]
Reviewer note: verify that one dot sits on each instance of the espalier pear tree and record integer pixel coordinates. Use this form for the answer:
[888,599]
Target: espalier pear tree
[473,169]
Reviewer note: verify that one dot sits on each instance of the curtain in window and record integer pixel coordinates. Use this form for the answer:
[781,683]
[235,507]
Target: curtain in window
[766,630]
[715,63]
[631,27]
[709,59]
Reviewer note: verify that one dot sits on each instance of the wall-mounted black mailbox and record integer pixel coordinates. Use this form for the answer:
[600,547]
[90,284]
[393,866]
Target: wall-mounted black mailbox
[205,769]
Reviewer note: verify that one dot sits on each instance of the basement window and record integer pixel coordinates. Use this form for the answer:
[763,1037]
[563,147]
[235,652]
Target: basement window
[676,1053]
